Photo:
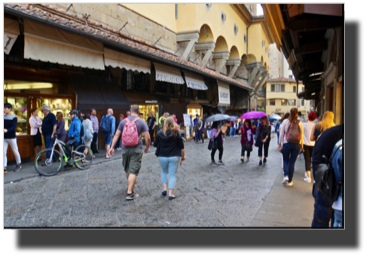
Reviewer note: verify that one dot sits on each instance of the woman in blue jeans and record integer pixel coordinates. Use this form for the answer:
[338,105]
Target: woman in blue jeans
[290,149]
[170,148]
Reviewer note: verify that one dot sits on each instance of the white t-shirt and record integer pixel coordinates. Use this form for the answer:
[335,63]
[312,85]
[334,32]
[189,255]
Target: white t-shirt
[308,126]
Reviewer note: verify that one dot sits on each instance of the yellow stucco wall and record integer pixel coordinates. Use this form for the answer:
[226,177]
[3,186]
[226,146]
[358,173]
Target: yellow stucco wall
[163,14]
[278,96]
[256,35]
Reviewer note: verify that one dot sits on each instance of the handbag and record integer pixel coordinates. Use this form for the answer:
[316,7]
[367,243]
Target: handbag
[247,146]
[258,141]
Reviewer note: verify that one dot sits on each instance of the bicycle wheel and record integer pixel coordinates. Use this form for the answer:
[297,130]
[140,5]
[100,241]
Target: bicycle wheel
[46,167]
[81,159]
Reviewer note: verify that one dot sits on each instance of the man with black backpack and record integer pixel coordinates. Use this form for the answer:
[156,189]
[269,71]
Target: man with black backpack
[323,211]
[108,125]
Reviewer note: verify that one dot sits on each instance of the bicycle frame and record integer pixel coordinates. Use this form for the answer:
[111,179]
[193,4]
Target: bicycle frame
[61,144]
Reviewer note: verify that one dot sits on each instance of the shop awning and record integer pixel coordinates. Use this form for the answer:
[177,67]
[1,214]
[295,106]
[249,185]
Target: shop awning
[124,61]
[45,43]
[11,32]
[223,93]
[168,74]
[195,81]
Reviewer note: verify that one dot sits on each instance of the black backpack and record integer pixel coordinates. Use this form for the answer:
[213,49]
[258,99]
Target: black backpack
[325,179]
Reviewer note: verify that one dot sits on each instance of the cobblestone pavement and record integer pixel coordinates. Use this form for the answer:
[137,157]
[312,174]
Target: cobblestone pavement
[207,195]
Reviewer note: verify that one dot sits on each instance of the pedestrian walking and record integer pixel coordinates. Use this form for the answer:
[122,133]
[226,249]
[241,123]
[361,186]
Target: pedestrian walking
[326,123]
[203,129]
[323,211]
[74,136]
[94,121]
[308,145]
[263,139]
[300,117]
[132,147]
[291,141]
[191,125]
[198,130]
[87,126]
[121,117]
[152,122]
[246,139]
[286,116]
[108,129]
[36,130]
[216,136]
[49,126]
[277,130]
[170,148]
[60,128]
[236,127]
[10,124]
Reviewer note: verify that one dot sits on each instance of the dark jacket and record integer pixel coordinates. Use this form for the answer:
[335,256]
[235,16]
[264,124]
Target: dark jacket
[168,146]
[10,123]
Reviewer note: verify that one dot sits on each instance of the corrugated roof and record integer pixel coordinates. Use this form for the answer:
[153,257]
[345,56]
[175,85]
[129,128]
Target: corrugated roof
[60,17]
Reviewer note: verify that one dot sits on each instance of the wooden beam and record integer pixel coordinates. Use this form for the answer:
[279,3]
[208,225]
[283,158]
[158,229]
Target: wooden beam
[312,65]
[314,24]
[312,48]
[313,84]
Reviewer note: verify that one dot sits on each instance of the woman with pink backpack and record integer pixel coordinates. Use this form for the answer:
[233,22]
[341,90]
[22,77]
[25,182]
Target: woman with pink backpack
[291,141]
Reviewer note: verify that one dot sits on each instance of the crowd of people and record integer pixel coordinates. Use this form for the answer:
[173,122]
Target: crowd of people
[314,138]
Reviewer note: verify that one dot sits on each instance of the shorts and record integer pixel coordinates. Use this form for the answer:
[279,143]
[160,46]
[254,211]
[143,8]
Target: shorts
[132,158]
[107,138]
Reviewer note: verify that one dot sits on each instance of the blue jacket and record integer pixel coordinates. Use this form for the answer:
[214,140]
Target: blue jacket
[113,123]
[75,130]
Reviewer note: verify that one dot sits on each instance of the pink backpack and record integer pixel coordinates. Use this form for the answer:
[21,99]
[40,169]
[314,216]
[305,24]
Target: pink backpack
[130,136]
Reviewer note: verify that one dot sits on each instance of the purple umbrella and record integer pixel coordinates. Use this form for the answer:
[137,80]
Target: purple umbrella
[253,115]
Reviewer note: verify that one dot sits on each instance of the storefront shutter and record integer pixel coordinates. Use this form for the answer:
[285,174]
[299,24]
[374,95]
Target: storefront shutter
[11,32]
[223,93]
[49,44]
[168,74]
[124,61]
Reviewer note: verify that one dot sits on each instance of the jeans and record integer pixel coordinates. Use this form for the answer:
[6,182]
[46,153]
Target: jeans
[231,131]
[197,135]
[337,219]
[290,152]
[277,138]
[49,142]
[266,149]
[169,166]
[243,151]
[13,144]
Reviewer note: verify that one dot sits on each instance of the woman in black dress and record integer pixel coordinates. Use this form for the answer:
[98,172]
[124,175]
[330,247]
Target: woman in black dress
[151,122]
[263,138]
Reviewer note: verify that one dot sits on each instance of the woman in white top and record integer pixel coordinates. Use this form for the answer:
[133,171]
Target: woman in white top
[87,138]
[291,145]
[36,131]
[308,145]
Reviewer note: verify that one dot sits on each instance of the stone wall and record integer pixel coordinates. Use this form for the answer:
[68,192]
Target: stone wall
[275,62]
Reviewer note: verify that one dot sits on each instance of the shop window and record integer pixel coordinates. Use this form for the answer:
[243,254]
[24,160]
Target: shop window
[273,88]
[282,88]
[302,102]
[20,110]
[283,102]
[291,102]
[130,81]
[271,101]
[141,82]
[56,105]
[293,89]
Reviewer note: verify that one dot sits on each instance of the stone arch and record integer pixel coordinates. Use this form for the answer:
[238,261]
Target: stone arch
[221,44]
[234,53]
[248,59]
[206,33]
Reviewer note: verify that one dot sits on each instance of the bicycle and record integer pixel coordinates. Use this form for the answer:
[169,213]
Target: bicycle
[54,164]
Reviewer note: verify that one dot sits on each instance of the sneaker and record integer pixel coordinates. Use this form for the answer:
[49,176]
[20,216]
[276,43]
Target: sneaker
[213,163]
[285,180]
[260,163]
[242,159]
[5,170]
[131,196]
[289,184]
[17,168]
[70,161]
[307,180]
[221,163]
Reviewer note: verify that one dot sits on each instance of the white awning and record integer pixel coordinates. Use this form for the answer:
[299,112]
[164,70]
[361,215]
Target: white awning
[168,74]
[124,61]
[11,32]
[223,93]
[45,43]
[195,81]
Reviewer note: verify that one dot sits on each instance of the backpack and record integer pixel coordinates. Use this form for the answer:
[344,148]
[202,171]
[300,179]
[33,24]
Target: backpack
[130,136]
[328,175]
[105,124]
[294,134]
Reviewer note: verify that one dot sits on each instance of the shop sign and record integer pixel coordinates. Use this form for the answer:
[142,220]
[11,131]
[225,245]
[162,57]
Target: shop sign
[9,40]
[151,102]
[197,86]
[187,120]
[223,95]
